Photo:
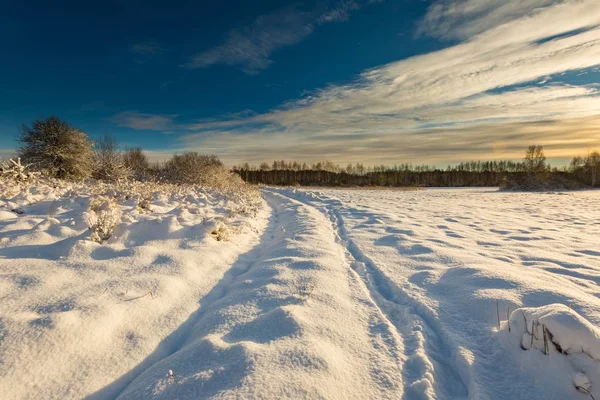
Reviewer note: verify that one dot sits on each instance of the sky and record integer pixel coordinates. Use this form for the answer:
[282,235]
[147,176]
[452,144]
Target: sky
[371,81]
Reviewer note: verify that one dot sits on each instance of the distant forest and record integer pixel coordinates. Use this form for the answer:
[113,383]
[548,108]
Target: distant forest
[584,170]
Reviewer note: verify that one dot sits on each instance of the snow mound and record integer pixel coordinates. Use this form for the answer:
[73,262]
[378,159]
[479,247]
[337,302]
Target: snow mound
[93,276]
[569,348]
[568,331]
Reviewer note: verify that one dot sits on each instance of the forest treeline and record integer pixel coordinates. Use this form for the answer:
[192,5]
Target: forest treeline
[584,170]
[54,148]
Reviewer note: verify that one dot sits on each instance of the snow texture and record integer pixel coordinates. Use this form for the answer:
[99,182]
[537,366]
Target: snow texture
[329,294]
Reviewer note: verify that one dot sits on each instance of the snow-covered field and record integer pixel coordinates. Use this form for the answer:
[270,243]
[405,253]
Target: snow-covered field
[331,294]
[442,264]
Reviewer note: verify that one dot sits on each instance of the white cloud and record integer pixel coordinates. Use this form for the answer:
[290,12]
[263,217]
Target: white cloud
[250,47]
[142,121]
[340,13]
[439,146]
[145,51]
[481,85]
[465,18]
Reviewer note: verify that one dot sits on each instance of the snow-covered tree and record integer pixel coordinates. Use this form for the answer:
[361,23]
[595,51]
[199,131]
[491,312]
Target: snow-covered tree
[137,162]
[53,146]
[109,164]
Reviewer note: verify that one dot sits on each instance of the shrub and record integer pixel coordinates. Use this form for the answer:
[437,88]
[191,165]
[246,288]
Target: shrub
[53,146]
[16,172]
[208,171]
[103,216]
[108,163]
[137,162]
[193,168]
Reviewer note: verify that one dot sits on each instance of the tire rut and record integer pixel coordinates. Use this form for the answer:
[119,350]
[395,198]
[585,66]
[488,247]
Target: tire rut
[428,351]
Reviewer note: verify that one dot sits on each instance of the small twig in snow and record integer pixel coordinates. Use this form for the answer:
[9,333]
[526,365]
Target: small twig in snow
[546,349]
[139,297]
[498,313]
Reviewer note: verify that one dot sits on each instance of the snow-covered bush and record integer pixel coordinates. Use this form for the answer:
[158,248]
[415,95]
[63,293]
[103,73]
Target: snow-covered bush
[138,164]
[219,231]
[16,172]
[103,216]
[109,164]
[566,331]
[556,328]
[52,146]
[193,168]
[207,171]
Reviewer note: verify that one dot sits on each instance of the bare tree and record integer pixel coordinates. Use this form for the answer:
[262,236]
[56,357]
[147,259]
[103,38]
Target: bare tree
[137,162]
[109,163]
[53,146]
[535,160]
[592,163]
[576,163]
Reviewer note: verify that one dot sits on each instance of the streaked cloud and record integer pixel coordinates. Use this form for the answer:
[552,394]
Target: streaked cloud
[505,84]
[143,121]
[250,47]
[466,18]
[438,146]
[494,84]
[339,13]
[144,51]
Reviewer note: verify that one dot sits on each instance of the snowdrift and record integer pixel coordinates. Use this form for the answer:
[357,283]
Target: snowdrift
[94,276]
[570,345]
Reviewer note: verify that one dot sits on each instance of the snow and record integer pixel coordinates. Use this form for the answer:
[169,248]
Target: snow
[581,382]
[76,314]
[570,332]
[335,294]
[440,263]
[570,342]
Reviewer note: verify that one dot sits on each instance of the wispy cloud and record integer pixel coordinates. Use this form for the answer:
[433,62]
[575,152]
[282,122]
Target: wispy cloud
[339,13]
[438,146]
[504,85]
[143,121]
[144,51]
[465,18]
[250,47]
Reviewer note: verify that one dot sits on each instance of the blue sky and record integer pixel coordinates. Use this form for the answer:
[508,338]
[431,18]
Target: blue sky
[376,81]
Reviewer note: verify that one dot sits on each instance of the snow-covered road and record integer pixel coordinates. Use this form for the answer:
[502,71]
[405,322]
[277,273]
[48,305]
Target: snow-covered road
[292,320]
[334,294]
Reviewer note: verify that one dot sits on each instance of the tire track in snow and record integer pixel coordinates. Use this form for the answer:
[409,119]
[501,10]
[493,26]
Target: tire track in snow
[430,363]
[338,342]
